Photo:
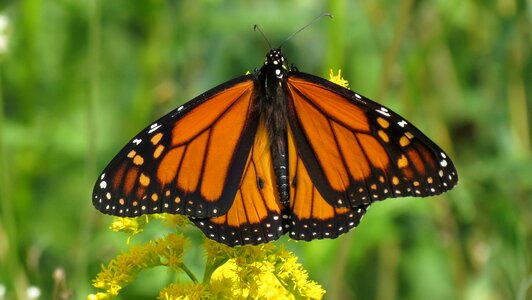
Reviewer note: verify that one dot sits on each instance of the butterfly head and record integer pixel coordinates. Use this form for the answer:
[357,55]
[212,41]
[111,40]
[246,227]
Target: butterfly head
[276,63]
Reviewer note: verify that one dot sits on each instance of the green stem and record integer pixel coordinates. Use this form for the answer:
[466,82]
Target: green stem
[7,212]
[189,273]
[211,266]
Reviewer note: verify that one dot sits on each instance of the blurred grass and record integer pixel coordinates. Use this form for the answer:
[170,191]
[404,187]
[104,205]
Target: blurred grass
[81,78]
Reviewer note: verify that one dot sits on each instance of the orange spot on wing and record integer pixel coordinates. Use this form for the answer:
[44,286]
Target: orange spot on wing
[404,141]
[383,123]
[156,138]
[138,160]
[383,136]
[154,197]
[158,151]
[395,180]
[131,153]
[402,161]
[144,180]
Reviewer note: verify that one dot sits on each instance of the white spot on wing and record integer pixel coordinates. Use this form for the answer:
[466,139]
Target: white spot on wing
[137,141]
[103,184]
[383,111]
[180,108]
[402,123]
[154,127]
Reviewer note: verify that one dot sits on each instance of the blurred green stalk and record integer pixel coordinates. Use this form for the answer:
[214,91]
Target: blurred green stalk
[8,243]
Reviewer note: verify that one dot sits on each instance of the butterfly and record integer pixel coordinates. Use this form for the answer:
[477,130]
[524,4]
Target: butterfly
[273,152]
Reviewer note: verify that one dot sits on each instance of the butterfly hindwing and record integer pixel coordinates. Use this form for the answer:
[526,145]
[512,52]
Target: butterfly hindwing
[256,213]
[311,216]
[187,162]
[357,151]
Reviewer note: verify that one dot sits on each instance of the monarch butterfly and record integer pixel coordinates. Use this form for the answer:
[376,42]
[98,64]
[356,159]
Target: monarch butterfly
[274,152]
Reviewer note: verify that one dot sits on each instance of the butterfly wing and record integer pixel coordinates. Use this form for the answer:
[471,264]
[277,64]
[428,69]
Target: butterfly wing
[311,216]
[357,151]
[255,216]
[189,161]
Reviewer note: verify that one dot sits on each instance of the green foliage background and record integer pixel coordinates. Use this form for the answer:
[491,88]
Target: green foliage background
[82,77]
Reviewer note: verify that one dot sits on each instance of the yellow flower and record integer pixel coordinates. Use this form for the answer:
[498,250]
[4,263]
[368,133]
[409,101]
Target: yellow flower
[338,79]
[98,296]
[131,226]
[188,291]
[171,220]
[123,270]
[256,272]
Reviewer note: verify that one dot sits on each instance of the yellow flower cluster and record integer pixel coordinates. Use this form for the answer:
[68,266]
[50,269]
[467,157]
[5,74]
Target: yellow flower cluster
[123,269]
[246,272]
[338,79]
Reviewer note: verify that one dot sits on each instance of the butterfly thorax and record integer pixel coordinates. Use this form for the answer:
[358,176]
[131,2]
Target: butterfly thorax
[270,81]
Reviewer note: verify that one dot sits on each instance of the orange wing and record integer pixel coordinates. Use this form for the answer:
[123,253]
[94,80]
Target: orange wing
[311,216]
[255,215]
[189,161]
[357,151]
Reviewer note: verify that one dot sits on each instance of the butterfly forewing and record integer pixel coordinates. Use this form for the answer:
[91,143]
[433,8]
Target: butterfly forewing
[186,162]
[358,151]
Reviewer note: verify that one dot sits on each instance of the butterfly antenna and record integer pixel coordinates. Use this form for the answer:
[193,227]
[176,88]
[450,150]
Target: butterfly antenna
[302,28]
[256,28]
